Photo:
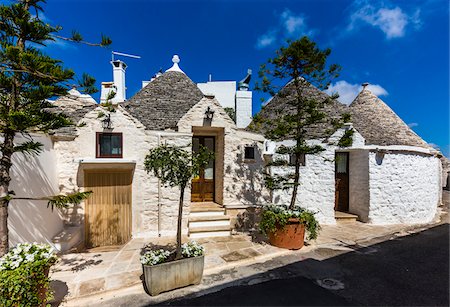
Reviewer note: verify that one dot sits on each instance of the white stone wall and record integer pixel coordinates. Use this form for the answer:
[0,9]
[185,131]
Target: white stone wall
[242,181]
[243,108]
[223,90]
[404,187]
[317,178]
[145,193]
[316,190]
[34,176]
[359,197]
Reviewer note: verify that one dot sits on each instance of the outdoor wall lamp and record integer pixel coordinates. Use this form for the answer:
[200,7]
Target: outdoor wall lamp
[106,122]
[209,113]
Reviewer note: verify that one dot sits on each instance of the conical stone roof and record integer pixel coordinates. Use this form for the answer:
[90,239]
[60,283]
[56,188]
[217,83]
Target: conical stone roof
[162,103]
[279,105]
[75,106]
[379,124]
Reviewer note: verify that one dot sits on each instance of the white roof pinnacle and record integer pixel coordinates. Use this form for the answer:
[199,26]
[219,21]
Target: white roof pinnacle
[175,67]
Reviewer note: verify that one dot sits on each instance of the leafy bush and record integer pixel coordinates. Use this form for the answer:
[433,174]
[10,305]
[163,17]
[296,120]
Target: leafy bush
[274,217]
[24,275]
[188,250]
[192,249]
[155,257]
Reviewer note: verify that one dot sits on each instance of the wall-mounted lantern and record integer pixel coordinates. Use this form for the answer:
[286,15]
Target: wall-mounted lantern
[209,113]
[106,122]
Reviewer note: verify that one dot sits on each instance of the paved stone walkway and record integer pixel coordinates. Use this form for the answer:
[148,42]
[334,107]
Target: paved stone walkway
[79,275]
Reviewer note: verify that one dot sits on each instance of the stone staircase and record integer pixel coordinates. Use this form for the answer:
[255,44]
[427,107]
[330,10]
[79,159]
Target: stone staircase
[345,217]
[208,219]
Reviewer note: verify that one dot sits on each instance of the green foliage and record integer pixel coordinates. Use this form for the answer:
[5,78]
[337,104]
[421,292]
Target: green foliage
[63,201]
[231,113]
[23,286]
[175,166]
[87,84]
[347,139]
[28,79]
[275,217]
[29,147]
[24,275]
[303,65]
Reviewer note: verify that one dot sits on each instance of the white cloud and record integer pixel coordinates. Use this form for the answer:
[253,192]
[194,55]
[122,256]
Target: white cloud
[348,91]
[266,39]
[294,25]
[393,21]
[412,125]
[290,26]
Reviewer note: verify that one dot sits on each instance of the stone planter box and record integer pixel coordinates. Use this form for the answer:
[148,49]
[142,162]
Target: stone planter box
[172,275]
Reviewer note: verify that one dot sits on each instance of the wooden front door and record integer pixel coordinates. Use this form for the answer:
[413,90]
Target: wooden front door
[203,185]
[108,209]
[341,182]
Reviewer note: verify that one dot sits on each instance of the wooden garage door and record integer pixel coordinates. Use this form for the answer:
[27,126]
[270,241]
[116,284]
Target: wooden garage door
[108,209]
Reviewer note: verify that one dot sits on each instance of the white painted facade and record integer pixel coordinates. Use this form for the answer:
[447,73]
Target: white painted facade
[387,184]
[34,177]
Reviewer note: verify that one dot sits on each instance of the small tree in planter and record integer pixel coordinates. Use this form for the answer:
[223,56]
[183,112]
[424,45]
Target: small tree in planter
[303,65]
[175,167]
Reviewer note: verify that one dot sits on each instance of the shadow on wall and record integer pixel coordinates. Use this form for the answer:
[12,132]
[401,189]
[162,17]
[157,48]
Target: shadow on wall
[248,188]
[31,220]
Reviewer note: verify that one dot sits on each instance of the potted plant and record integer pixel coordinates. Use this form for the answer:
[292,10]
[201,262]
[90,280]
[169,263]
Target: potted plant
[163,269]
[286,228]
[293,76]
[24,275]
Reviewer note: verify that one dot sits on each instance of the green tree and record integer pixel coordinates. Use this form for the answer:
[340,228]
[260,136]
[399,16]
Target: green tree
[175,167]
[28,78]
[303,65]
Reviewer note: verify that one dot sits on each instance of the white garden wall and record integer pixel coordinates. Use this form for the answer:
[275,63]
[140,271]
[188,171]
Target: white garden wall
[404,187]
[34,176]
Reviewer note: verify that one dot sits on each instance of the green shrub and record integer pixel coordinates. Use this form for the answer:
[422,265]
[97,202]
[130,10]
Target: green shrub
[24,275]
[274,217]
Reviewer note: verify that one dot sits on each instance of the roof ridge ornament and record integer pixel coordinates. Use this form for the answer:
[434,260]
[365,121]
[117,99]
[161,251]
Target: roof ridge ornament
[364,85]
[175,67]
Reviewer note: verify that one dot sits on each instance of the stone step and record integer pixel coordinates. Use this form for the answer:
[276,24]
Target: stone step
[345,217]
[210,231]
[68,238]
[205,221]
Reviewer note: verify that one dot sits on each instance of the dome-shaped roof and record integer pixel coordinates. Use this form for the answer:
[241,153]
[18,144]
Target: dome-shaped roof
[379,124]
[162,102]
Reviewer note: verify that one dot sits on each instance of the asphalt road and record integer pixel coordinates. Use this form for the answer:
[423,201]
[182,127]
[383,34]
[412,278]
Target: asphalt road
[407,271]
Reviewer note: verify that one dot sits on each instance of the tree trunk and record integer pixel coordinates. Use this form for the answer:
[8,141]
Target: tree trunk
[296,180]
[180,218]
[5,167]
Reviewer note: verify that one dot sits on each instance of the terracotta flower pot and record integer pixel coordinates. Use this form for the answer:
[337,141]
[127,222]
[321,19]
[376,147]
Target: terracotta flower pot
[291,236]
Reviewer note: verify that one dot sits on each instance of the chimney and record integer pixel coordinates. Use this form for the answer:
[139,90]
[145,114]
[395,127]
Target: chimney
[119,80]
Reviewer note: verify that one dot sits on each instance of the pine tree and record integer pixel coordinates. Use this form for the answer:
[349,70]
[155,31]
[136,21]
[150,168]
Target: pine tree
[303,65]
[28,78]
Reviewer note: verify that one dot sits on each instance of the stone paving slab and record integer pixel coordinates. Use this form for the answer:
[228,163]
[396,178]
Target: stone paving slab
[84,274]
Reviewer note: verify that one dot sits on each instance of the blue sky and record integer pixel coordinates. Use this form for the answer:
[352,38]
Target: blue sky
[400,47]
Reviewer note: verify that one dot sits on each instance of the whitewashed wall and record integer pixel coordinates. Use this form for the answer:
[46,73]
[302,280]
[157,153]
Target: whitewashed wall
[317,178]
[34,176]
[136,144]
[243,183]
[404,187]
